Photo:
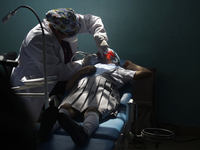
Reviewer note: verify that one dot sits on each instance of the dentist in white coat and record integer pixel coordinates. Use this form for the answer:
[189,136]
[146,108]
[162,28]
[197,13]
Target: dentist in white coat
[60,26]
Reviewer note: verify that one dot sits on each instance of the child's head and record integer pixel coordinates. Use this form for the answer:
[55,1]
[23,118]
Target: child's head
[111,57]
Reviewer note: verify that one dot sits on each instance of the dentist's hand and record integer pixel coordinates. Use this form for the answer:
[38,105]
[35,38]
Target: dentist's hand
[90,59]
[102,45]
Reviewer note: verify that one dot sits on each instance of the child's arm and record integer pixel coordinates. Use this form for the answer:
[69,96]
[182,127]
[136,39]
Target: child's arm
[141,72]
[83,71]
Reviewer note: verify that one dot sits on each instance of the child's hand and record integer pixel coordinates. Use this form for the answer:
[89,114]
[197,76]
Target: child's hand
[128,65]
[83,71]
[88,70]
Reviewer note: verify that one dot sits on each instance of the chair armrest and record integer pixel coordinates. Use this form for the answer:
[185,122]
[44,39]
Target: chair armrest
[55,99]
[8,62]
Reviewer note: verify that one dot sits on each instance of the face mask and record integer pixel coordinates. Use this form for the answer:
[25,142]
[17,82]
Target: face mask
[71,39]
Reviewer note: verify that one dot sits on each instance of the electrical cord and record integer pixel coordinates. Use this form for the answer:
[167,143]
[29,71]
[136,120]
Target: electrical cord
[177,133]
[78,52]
[139,143]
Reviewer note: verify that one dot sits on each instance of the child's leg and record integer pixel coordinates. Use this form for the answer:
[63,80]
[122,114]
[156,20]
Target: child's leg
[75,130]
[91,120]
[68,110]
[79,133]
[49,120]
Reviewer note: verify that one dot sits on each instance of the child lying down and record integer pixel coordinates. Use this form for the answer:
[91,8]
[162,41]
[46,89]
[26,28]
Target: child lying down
[93,93]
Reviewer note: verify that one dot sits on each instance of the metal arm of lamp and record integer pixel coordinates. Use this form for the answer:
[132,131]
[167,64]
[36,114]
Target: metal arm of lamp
[5,19]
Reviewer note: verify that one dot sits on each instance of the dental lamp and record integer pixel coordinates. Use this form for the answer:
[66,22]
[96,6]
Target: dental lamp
[5,19]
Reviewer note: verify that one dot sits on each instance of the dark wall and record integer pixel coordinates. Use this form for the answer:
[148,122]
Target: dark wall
[152,33]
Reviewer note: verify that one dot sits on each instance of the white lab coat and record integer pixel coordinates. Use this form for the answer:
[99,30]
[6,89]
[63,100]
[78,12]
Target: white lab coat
[31,58]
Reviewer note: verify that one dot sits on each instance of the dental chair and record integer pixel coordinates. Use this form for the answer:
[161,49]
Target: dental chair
[111,133]
[7,61]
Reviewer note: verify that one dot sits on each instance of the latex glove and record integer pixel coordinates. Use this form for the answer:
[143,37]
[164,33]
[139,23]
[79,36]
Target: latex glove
[90,59]
[102,44]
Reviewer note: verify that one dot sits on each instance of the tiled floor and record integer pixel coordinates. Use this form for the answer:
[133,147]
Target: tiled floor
[168,145]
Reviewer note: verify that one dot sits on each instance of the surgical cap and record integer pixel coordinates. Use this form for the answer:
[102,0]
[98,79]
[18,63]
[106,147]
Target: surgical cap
[65,20]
